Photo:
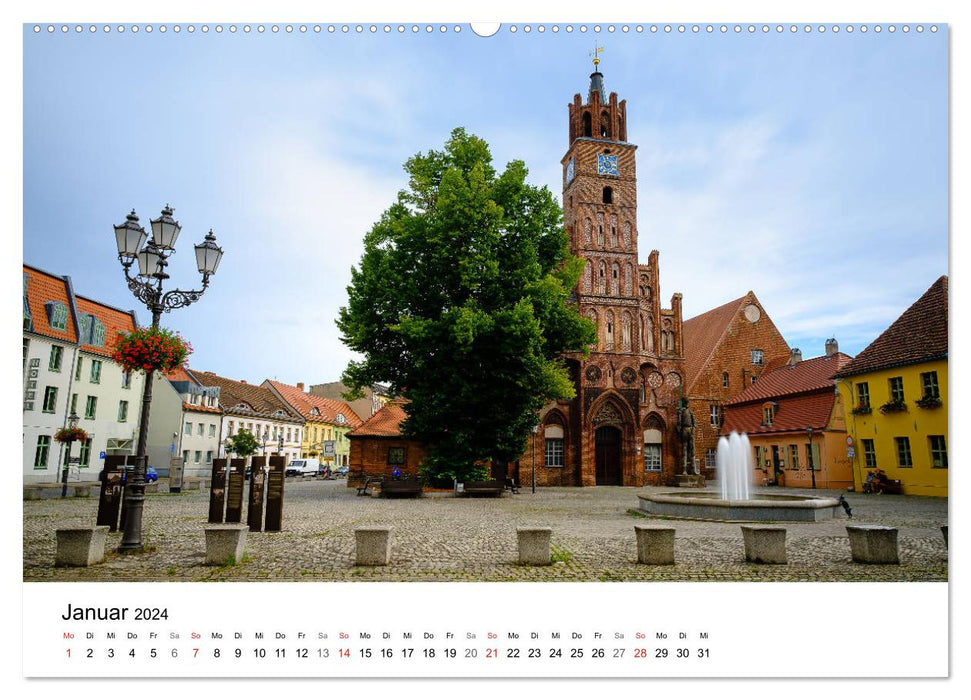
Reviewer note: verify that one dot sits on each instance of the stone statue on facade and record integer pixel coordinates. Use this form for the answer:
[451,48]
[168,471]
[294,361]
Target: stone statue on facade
[686,430]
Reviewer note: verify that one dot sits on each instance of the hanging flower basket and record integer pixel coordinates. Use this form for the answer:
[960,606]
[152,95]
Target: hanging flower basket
[151,349]
[70,435]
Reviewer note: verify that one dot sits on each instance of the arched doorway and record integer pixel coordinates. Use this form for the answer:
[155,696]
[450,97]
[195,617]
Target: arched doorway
[608,463]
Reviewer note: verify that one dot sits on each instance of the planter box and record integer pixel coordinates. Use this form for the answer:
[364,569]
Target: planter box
[534,545]
[224,543]
[373,546]
[81,546]
[764,544]
[655,545]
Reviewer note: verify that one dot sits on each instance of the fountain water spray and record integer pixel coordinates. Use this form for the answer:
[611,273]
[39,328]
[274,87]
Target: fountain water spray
[734,464]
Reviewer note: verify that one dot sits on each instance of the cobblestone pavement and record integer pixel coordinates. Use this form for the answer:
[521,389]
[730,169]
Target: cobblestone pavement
[443,538]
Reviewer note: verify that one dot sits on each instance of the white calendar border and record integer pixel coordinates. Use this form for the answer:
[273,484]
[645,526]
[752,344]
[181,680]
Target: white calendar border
[826,10]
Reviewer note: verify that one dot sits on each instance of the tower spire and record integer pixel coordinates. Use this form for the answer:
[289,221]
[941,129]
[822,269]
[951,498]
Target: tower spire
[597,78]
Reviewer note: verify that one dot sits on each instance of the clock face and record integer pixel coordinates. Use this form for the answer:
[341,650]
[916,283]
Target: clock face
[570,171]
[606,165]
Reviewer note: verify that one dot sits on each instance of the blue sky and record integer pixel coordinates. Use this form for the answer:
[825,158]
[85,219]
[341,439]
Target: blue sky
[809,168]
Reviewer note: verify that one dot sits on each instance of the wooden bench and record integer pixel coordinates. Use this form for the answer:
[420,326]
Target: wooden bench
[512,486]
[483,488]
[400,488]
[370,482]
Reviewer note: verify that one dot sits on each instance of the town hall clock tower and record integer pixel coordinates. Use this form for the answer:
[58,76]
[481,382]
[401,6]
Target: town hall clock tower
[621,428]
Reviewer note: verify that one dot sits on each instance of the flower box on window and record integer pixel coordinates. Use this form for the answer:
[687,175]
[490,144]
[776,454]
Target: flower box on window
[894,406]
[929,402]
[862,410]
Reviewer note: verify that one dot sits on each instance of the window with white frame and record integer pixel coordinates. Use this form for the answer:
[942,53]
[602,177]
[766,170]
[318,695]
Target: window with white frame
[554,446]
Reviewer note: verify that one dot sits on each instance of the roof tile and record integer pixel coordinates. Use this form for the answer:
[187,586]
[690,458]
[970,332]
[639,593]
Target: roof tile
[919,335]
[385,423]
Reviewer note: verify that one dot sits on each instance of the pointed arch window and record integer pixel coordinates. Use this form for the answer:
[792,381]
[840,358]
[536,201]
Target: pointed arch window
[587,126]
[605,125]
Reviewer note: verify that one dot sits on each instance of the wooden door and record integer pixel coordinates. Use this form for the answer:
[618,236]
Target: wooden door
[609,472]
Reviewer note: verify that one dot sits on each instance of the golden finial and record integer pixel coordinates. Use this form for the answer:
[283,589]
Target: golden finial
[596,55]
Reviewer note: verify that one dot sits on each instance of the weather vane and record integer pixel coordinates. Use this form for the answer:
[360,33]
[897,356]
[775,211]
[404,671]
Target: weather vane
[596,55]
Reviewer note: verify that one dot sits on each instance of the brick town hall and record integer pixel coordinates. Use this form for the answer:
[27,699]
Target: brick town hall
[621,428]
[624,425]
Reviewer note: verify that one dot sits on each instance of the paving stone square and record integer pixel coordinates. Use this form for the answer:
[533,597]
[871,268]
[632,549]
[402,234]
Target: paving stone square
[443,538]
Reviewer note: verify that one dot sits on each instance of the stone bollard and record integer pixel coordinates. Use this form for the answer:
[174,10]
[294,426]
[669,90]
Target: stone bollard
[534,545]
[373,546]
[81,546]
[224,543]
[873,544]
[655,545]
[944,532]
[764,544]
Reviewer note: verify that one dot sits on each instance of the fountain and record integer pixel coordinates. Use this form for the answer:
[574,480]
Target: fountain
[734,500]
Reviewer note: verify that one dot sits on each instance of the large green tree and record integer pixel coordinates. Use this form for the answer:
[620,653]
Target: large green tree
[461,304]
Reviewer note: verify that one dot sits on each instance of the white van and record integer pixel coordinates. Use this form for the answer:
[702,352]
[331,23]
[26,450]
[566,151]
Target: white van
[303,467]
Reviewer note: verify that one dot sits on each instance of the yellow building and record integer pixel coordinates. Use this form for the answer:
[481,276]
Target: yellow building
[895,397]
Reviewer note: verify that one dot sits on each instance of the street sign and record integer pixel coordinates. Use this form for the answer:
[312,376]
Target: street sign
[329,450]
[171,448]
[849,441]
[850,452]
[102,455]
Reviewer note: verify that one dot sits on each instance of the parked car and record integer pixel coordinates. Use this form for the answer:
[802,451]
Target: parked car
[151,474]
[303,467]
[340,472]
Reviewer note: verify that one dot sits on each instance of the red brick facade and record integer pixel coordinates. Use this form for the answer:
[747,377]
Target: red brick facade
[719,362]
[620,428]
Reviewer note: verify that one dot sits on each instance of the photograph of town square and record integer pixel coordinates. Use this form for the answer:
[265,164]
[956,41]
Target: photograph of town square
[547,305]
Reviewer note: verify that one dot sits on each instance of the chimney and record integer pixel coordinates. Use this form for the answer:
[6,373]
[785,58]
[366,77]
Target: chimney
[832,347]
[795,357]
[300,386]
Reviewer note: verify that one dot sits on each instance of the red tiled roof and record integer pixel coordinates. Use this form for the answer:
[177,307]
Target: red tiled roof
[43,287]
[114,320]
[262,401]
[919,335]
[702,333]
[792,413]
[385,423]
[180,375]
[806,376]
[305,404]
[200,408]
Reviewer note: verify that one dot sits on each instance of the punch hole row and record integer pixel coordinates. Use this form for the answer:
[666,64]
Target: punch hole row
[456,29]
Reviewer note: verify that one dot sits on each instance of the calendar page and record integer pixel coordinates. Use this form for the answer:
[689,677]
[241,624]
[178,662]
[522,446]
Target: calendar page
[533,349]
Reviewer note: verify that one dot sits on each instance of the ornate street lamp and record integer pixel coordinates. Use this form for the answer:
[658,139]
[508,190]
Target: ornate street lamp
[72,423]
[152,255]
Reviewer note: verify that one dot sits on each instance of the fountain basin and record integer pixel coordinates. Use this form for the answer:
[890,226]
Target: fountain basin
[708,505]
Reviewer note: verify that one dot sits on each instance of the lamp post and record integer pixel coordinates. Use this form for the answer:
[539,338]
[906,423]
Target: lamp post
[152,254]
[535,431]
[812,465]
[72,422]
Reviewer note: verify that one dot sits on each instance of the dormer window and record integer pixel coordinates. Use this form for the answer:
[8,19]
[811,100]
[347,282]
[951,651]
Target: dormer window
[56,315]
[340,418]
[314,411]
[242,407]
[768,413]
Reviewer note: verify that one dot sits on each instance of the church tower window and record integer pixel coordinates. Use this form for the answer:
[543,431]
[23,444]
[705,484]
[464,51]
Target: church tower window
[608,195]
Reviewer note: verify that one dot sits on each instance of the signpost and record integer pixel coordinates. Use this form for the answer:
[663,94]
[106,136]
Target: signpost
[274,493]
[217,492]
[257,487]
[234,496]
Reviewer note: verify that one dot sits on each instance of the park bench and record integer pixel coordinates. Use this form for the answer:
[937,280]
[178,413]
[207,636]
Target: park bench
[400,488]
[484,488]
[370,482]
[512,486]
